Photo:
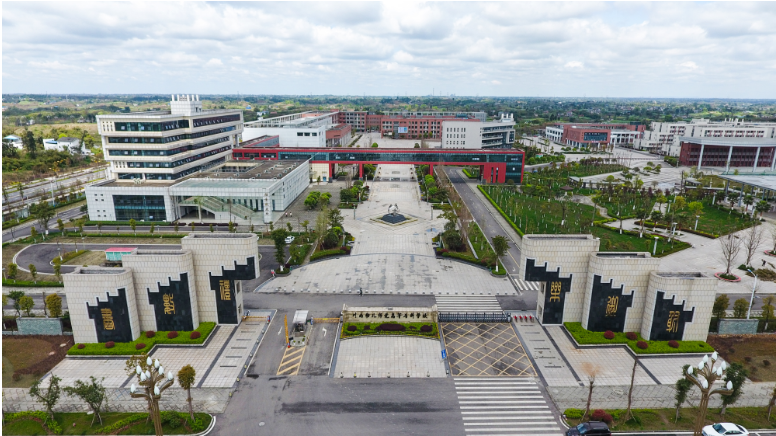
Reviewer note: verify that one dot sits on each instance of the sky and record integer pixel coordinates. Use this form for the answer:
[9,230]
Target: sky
[658,50]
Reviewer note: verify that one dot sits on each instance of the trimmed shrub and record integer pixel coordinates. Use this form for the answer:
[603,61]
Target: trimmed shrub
[150,334]
[352,328]
[391,328]
[81,346]
[609,334]
[642,344]
[598,415]
[110,344]
[574,413]
[426,329]
[748,359]
[673,344]
[766,363]
[172,335]
[195,335]
[607,418]
[632,336]
[140,346]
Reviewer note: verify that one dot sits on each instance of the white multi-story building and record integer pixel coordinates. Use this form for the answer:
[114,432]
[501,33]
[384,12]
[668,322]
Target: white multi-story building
[664,138]
[301,130]
[474,134]
[168,145]
[554,133]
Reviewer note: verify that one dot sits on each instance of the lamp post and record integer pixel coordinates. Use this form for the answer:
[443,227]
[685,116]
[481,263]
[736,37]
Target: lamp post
[751,299]
[673,229]
[697,217]
[654,249]
[704,377]
[153,382]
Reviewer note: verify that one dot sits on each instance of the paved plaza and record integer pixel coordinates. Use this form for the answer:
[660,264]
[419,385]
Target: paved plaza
[394,356]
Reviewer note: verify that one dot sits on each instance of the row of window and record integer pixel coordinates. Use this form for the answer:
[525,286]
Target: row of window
[151,127]
[168,139]
[216,120]
[177,163]
[401,157]
[170,152]
[306,133]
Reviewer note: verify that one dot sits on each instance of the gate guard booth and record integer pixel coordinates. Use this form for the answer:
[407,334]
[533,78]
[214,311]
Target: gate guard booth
[298,337]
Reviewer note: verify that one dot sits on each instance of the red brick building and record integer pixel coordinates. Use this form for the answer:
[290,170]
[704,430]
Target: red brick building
[338,135]
[403,126]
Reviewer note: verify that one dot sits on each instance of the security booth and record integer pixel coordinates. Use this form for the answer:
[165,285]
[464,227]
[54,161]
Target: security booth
[299,329]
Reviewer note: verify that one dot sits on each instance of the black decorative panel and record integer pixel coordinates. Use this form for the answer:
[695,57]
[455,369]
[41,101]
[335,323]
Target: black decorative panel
[668,319]
[608,307]
[224,289]
[111,318]
[555,290]
[172,305]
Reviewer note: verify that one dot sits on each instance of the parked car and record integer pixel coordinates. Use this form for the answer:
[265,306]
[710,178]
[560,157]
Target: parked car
[592,428]
[724,429]
[289,239]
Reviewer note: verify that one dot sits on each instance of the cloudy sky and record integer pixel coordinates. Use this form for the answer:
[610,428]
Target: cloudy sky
[660,49]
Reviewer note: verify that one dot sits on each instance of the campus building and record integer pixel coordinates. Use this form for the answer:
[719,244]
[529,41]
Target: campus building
[168,145]
[242,192]
[594,134]
[666,138]
[621,292]
[163,290]
[488,134]
[362,120]
[304,129]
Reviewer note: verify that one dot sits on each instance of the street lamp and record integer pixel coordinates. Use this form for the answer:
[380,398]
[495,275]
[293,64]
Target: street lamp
[751,299]
[697,217]
[654,249]
[153,382]
[704,377]
[673,230]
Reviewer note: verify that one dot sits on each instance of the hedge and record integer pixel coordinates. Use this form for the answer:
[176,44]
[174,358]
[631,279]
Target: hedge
[126,223]
[39,415]
[142,234]
[469,174]
[68,256]
[326,253]
[648,224]
[31,284]
[131,419]
[129,348]
[410,329]
[504,215]
[586,337]
[470,259]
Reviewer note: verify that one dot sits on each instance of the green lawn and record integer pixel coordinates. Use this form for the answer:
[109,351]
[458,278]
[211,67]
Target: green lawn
[369,329]
[130,348]
[612,240]
[80,424]
[663,419]
[586,337]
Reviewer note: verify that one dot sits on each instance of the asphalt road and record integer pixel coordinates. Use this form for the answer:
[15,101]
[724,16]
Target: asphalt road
[23,230]
[32,191]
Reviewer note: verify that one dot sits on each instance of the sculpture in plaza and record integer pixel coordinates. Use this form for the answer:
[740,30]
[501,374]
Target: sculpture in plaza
[393,209]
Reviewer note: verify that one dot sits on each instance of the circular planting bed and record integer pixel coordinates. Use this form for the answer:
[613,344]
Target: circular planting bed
[727,278]
[770,253]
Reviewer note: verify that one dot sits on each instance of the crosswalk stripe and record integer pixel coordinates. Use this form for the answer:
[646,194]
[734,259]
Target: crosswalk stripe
[508,418]
[512,429]
[465,303]
[502,396]
[502,423]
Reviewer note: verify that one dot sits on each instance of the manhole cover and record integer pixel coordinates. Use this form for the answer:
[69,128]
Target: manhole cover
[261,424]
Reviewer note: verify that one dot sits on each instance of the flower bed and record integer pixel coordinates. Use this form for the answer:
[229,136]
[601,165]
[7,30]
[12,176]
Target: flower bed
[327,253]
[722,276]
[770,253]
[586,337]
[129,348]
[426,329]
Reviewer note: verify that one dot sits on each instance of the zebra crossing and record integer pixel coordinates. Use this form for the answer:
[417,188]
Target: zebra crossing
[504,406]
[526,286]
[467,303]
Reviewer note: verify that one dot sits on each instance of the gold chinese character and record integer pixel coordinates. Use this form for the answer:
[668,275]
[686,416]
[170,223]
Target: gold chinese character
[226,293]
[554,292]
[673,321]
[169,305]
[107,319]
[611,306]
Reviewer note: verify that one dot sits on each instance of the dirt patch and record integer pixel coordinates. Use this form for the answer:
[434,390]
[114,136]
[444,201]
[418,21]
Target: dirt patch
[29,357]
[752,351]
[88,258]
[9,251]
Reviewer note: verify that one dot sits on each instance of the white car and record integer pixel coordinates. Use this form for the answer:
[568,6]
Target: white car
[724,428]
[290,239]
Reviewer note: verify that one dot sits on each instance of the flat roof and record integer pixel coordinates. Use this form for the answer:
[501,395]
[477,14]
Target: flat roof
[765,180]
[730,142]
[120,249]
[263,170]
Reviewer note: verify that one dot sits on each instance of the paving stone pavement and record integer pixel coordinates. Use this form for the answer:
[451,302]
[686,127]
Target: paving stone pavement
[549,361]
[394,355]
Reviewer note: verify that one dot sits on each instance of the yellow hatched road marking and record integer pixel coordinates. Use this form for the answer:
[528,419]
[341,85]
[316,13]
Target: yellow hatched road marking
[291,355]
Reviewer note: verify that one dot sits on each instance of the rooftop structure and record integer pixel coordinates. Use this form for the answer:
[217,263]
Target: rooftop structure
[665,137]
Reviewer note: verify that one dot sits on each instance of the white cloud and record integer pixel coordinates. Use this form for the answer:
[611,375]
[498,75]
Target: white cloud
[625,49]
[495,82]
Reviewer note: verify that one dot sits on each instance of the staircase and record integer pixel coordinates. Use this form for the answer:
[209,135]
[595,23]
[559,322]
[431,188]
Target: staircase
[220,208]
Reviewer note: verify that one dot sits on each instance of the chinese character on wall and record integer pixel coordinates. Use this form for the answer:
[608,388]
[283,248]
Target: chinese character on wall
[226,292]
[107,319]
[554,291]
[611,306]
[673,321]
[169,304]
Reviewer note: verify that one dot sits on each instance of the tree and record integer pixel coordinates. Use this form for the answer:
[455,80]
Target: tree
[500,247]
[26,303]
[175,227]
[16,296]
[133,225]
[210,227]
[48,397]
[99,228]
[61,225]
[748,201]
[335,218]
[312,199]
[28,142]
[629,413]
[305,223]
[33,272]
[91,393]
[58,271]
[289,227]
[682,387]
[54,305]
[736,374]
[325,197]
[192,227]
[279,237]
[762,206]
[151,229]
[13,269]
[771,402]
[752,242]
[591,384]
[730,247]
[33,232]
[186,377]
[768,309]
[740,307]
[721,303]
